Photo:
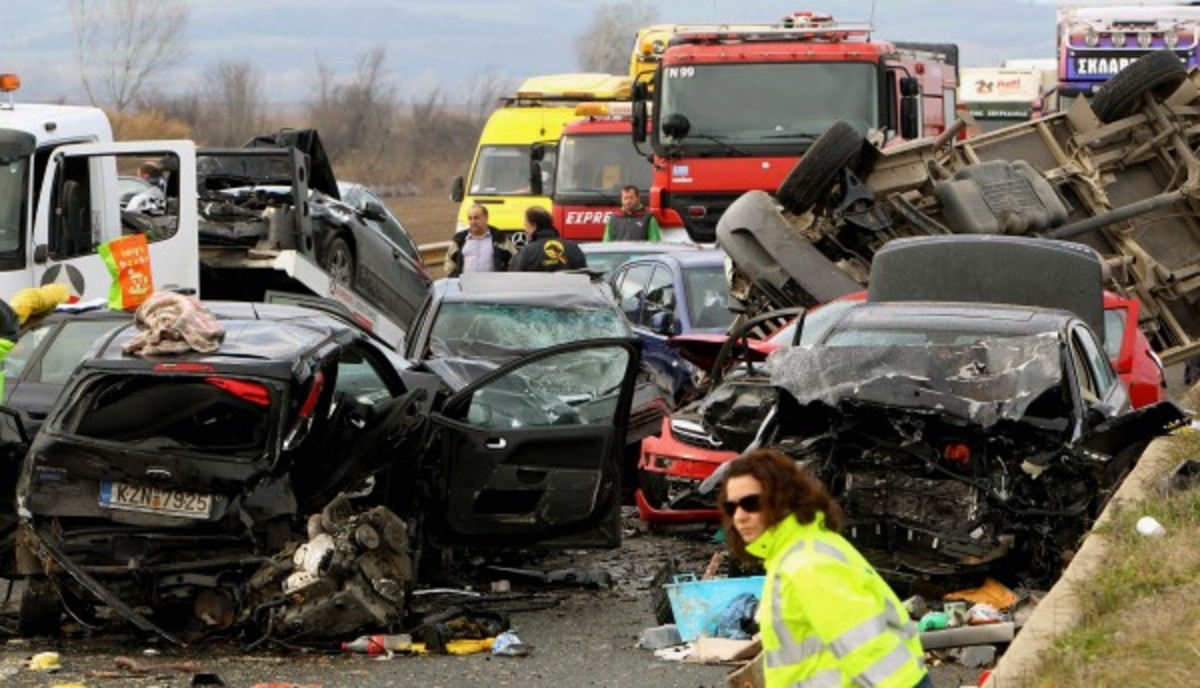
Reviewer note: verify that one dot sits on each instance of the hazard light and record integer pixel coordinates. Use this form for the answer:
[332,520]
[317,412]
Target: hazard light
[591,110]
[9,83]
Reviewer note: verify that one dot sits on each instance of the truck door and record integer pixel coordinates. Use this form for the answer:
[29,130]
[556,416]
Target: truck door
[82,206]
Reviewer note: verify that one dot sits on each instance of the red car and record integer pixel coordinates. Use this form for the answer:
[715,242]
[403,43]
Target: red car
[686,453]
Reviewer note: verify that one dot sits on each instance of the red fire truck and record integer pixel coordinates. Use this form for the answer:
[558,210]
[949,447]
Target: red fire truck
[595,160]
[733,110]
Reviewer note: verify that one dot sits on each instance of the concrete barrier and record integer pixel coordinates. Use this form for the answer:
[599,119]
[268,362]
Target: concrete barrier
[1060,610]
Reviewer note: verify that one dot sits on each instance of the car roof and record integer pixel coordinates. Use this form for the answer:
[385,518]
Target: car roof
[557,289]
[256,335]
[701,258]
[636,246]
[933,315]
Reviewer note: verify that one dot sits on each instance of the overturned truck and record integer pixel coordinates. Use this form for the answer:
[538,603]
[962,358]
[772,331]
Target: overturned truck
[1119,174]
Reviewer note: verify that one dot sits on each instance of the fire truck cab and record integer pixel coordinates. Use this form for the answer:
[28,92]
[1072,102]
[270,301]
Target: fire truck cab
[801,75]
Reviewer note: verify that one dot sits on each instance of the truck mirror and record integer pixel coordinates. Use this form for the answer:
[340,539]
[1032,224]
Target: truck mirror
[537,152]
[677,126]
[910,123]
[41,253]
[640,91]
[638,122]
[535,177]
[457,191]
[910,86]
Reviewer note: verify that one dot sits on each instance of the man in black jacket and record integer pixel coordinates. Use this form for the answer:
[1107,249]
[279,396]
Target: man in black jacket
[478,248]
[546,251]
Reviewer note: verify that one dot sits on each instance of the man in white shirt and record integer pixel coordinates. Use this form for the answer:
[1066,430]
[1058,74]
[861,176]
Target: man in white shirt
[478,248]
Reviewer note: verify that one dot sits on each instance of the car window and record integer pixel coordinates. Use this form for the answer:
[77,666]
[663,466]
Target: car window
[67,350]
[1097,362]
[1087,386]
[24,350]
[631,289]
[816,324]
[359,378]
[392,229]
[1114,331]
[660,295]
[580,387]
[708,297]
[494,329]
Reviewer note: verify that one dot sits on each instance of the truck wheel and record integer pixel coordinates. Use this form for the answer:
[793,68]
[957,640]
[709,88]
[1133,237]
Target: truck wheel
[1159,73]
[339,262]
[820,165]
[40,610]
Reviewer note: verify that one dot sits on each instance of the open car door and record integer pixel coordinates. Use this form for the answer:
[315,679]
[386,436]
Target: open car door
[529,455]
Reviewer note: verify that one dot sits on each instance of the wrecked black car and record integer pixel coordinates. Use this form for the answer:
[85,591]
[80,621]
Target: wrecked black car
[182,484]
[956,434]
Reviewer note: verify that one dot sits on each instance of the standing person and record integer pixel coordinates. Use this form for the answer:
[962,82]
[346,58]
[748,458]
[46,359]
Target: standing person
[631,222]
[827,618]
[478,248]
[151,172]
[546,251]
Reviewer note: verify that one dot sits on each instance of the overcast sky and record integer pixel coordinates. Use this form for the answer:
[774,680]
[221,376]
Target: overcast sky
[445,43]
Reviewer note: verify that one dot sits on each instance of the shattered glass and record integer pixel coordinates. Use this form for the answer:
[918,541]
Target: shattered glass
[981,380]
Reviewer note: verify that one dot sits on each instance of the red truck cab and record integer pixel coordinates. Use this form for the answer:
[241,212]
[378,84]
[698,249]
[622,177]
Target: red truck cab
[801,76]
[595,160]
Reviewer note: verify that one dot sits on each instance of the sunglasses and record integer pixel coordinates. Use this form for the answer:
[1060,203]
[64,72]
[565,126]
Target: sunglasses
[751,504]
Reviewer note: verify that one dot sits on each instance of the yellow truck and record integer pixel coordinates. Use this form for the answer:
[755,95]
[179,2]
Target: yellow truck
[514,161]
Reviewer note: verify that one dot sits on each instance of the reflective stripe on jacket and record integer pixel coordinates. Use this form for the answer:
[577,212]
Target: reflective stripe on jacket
[827,618]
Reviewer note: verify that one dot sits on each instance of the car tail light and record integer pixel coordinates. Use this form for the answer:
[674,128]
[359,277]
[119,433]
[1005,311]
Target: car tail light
[306,410]
[957,452]
[183,368]
[697,211]
[253,392]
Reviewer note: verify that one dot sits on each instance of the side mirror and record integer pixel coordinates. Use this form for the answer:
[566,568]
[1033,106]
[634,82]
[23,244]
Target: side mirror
[41,253]
[640,91]
[639,121]
[910,122]
[535,177]
[457,189]
[677,126]
[373,210]
[663,323]
[537,152]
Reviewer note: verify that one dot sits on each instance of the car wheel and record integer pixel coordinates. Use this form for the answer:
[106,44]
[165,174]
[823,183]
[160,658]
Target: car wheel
[819,167]
[40,609]
[1159,73]
[339,262]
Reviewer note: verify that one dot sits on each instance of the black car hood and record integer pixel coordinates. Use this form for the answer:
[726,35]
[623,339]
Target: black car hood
[983,383]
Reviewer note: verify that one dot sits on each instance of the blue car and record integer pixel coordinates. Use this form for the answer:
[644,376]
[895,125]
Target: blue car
[670,294]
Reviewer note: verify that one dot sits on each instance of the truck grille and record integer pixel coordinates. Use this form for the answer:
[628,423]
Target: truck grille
[701,229]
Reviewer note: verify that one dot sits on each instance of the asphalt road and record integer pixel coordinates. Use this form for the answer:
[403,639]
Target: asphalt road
[587,639]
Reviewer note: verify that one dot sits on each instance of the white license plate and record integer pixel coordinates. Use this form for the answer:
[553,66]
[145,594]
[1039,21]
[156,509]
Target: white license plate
[154,500]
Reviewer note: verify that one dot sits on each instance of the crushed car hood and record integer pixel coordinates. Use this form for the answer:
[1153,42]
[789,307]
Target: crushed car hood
[995,379]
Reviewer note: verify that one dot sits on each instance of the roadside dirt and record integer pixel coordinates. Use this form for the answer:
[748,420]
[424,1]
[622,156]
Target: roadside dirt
[428,217]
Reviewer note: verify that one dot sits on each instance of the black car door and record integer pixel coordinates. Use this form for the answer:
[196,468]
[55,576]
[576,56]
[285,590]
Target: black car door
[529,454]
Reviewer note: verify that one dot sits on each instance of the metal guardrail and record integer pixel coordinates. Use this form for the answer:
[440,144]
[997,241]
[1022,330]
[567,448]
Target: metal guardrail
[434,254]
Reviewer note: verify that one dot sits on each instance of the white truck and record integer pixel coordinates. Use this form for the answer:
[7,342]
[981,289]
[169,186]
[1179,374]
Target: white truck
[62,192]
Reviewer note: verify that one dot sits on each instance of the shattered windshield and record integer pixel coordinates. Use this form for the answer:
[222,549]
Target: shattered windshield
[981,378]
[600,164]
[504,171]
[794,103]
[14,189]
[490,330]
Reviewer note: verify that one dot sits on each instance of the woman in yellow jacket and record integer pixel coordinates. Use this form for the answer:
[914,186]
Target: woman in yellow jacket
[827,618]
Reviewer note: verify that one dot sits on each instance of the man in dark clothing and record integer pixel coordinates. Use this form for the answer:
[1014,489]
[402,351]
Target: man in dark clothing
[546,251]
[631,222]
[478,248]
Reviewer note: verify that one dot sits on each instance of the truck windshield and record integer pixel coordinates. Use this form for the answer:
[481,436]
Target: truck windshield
[504,171]
[599,165]
[14,189]
[793,103]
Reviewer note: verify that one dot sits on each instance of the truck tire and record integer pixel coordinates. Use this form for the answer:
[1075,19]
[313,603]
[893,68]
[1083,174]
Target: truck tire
[810,179]
[1159,73]
[39,612]
[339,262]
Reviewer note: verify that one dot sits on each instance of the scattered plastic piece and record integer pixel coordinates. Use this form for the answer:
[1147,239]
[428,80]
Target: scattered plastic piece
[983,614]
[1150,527]
[992,592]
[46,662]
[933,621]
[737,619]
[379,644]
[674,654]
[659,637]
[507,644]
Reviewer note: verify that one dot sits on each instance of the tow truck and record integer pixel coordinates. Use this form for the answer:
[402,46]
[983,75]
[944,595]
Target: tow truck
[61,199]
[801,75]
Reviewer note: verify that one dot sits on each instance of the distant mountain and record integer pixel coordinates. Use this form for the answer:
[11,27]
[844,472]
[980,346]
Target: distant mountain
[445,44]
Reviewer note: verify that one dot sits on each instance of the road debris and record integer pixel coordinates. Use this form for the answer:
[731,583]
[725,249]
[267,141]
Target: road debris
[379,644]
[658,637]
[992,592]
[1150,527]
[134,666]
[967,636]
[45,662]
[507,644]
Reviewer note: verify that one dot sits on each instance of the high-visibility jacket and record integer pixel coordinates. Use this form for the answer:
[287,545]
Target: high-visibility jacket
[827,618]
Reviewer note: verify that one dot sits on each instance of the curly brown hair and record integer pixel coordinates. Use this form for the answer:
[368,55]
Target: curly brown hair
[787,488]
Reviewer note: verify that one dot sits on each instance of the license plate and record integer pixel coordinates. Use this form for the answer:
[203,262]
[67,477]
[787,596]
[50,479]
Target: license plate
[154,500]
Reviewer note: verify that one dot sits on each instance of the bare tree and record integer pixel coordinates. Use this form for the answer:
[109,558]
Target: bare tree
[232,105]
[123,45]
[608,42]
[357,118]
